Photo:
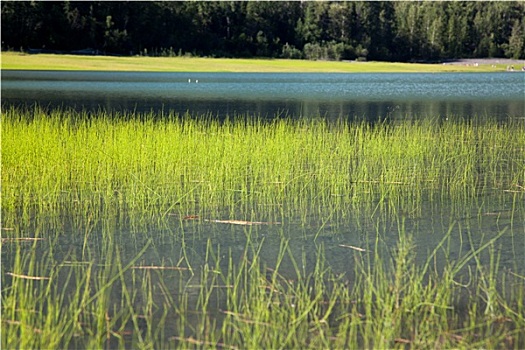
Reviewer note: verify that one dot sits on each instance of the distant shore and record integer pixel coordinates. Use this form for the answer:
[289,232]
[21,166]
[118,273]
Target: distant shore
[21,61]
[490,61]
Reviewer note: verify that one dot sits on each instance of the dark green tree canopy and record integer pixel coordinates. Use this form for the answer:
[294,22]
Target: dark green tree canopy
[388,31]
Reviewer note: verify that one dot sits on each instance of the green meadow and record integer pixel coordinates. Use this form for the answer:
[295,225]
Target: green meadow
[11,60]
[115,231]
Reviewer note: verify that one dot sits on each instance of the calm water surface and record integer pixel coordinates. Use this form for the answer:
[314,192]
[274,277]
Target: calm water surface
[371,96]
[368,95]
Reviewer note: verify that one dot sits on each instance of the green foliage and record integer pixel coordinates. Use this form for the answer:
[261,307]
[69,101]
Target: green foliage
[516,47]
[289,51]
[400,31]
[332,50]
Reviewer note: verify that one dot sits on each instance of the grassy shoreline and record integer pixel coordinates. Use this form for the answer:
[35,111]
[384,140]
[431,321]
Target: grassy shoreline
[80,270]
[12,60]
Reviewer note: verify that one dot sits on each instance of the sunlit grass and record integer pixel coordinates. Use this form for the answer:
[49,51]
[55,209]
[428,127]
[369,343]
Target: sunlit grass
[141,164]
[12,60]
[386,299]
[91,194]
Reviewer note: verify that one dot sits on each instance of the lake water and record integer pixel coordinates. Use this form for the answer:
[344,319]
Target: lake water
[176,242]
[362,95]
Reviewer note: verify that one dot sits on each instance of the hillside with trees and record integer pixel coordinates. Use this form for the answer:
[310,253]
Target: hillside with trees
[383,31]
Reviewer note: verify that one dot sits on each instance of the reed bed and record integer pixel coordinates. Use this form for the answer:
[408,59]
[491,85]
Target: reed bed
[386,299]
[152,166]
[89,200]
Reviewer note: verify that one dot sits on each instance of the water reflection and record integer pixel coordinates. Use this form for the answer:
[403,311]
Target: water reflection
[369,96]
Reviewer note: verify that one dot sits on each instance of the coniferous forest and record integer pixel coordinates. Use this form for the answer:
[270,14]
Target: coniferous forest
[384,31]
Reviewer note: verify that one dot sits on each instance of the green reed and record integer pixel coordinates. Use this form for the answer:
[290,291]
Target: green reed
[385,300]
[64,301]
[97,173]
[153,166]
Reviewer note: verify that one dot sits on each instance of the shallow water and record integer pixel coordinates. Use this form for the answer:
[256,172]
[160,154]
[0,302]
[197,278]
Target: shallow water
[452,232]
[467,228]
[333,95]
[445,230]
[197,252]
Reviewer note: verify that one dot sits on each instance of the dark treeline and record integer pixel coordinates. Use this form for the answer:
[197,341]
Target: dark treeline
[388,31]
